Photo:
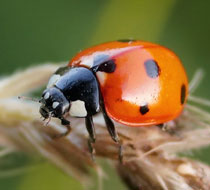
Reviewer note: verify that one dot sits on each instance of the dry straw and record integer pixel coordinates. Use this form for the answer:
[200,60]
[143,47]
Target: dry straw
[151,160]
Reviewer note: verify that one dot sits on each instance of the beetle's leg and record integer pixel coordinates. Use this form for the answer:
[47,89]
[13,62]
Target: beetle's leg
[91,131]
[112,131]
[162,126]
[66,124]
[169,127]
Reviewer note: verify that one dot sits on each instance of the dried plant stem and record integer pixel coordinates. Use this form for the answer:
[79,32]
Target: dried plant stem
[150,154]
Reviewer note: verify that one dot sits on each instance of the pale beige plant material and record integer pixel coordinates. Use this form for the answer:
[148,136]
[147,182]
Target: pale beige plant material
[150,154]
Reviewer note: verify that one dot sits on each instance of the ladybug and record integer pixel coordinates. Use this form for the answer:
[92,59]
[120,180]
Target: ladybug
[135,83]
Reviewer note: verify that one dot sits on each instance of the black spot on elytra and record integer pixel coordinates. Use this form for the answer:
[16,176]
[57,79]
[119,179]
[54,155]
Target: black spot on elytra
[144,109]
[126,40]
[107,67]
[183,94]
[152,68]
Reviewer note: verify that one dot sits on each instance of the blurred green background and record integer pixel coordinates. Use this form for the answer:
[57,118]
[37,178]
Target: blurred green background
[32,32]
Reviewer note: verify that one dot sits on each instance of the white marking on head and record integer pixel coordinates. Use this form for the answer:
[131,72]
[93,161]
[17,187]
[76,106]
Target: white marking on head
[78,109]
[47,95]
[55,105]
[53,80]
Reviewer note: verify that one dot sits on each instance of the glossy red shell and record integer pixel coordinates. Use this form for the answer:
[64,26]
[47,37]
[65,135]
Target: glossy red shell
[131,96]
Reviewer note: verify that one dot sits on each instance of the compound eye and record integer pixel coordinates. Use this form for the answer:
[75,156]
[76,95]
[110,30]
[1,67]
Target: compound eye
[55,105]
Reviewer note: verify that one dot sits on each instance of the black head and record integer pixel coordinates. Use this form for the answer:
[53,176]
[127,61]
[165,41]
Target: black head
[53,103]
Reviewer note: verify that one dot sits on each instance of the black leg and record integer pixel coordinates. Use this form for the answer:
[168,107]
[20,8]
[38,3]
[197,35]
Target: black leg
[170,128]
[92,136]
[66,124]
[162,126]
[90,128]
[110,126]
[112,131]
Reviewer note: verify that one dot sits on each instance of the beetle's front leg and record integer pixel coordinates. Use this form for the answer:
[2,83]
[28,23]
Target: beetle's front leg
[66,124]
[112,131]
[92,136]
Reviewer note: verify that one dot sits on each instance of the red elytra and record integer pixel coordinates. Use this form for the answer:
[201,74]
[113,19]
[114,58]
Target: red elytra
[149,85]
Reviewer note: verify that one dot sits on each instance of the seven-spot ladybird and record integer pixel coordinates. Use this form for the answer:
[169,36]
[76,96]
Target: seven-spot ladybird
[135,83]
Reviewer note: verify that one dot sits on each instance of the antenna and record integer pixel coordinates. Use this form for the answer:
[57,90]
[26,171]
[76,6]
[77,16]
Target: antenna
[29,98]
